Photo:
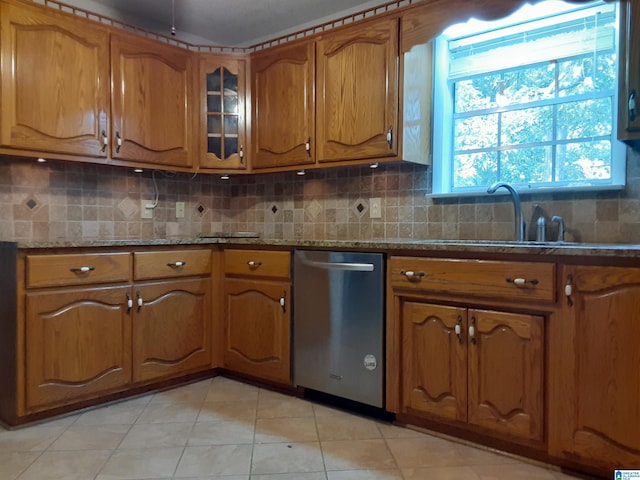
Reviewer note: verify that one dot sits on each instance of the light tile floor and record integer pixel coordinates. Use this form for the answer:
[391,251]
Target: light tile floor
[220,429]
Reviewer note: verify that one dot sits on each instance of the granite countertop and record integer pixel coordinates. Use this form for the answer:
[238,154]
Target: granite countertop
[408,245]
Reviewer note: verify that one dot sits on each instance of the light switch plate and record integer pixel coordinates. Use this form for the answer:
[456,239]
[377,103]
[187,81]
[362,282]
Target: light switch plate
[375,208]
[179,209]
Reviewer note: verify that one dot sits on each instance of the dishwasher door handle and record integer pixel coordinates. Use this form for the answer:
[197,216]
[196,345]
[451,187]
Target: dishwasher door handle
[352,267]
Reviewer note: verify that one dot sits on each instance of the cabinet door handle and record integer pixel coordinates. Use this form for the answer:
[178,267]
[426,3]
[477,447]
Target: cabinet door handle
[82,269]
[390,137]
[283,302]
[118,142]
[139,300]
[129,303]
[568,289]
[472,331]
[632,106]
[254,263]
[458,329]
[521,282]
[176,264]
[307,146]
[105,141]
[411,275]
[241,153]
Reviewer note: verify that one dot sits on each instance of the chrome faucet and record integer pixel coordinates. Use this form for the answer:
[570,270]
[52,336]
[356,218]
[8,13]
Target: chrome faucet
[517,209]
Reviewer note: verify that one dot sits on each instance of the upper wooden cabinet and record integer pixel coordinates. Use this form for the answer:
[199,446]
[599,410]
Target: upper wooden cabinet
[357,92]
[71,87]
[55,82]
[594,384]
[283,107]
[151,99]
[629,95]
[222,134]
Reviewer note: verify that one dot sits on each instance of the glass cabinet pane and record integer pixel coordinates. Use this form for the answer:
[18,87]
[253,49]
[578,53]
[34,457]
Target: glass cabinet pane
[213,81]
[222,114]
[214,103]
[214,146]
[230,82]
[230,104]
[231,125]
[230,146]
[214,124]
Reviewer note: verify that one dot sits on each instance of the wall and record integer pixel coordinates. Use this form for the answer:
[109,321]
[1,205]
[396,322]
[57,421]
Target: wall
[71,201]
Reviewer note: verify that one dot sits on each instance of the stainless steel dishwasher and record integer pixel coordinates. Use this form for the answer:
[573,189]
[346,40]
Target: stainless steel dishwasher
[338,322]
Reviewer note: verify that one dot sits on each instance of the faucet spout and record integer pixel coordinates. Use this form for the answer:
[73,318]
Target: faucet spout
[519,225]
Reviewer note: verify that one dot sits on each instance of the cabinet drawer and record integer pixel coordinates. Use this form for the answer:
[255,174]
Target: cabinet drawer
[259,263]
[77,269]
[171,263]
[481,278]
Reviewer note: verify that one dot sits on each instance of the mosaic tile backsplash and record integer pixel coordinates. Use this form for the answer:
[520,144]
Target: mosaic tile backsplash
[73,201]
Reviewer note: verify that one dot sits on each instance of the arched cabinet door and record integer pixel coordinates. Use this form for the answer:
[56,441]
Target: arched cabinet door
[54,82]
[78,345]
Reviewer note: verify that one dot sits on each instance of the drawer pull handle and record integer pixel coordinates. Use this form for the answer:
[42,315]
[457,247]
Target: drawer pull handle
[458,329]
[176,264]
[521,282]
[472,331]
[140,301]
[254,264]
[82,269]
[129,303]
[410,274]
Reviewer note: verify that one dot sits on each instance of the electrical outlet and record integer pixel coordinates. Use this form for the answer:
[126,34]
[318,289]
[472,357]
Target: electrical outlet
[179,209]
[375,208]
[144,211]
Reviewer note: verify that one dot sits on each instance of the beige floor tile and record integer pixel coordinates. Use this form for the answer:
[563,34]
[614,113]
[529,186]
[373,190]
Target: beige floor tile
[224,390]
[216,477]
[13,464]
[157,435]
[275,430]
[346,427]
[389,430]
[117,414]
[240,410]
[29,439]
[424,452]
[516,471]
[224,432]
[366,475]
[480,456]
[357,455]
[91,437]
[281,406]
[290,476]
[141,463]
[67,465]
[440,473]
[287,458]
[169,413]
[215,460]
[193,394]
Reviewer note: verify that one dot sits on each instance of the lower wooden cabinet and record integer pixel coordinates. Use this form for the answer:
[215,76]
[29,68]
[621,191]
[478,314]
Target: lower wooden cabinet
[257,313]
[481,367]
[258,329]
[594,369]
[78,344]
[171,328]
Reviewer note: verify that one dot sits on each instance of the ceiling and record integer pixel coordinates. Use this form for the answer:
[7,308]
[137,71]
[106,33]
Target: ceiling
[225,22]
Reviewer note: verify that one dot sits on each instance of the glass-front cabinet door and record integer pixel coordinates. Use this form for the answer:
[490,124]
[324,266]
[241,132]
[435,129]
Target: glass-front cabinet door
[223,113]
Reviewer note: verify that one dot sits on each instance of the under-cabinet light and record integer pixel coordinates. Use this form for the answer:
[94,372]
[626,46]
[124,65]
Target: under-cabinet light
[224,176]
[41,160]
[374,165]
[138,170]
[301,173]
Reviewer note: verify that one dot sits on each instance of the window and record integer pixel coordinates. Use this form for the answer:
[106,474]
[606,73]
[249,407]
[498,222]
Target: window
[530,100]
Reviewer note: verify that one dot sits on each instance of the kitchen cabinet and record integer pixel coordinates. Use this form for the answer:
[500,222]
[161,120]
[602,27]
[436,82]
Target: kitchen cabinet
[78,89]
[594,376]
[91,323]
[222,131]
[629,99]
[257,312]
[55,82]
[151,102]
[172,319]
[476,366]
[460,351]
[283,118]
[357,92]
[77,327]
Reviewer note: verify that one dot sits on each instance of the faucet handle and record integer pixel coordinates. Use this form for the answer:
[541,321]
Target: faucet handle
[558,219]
